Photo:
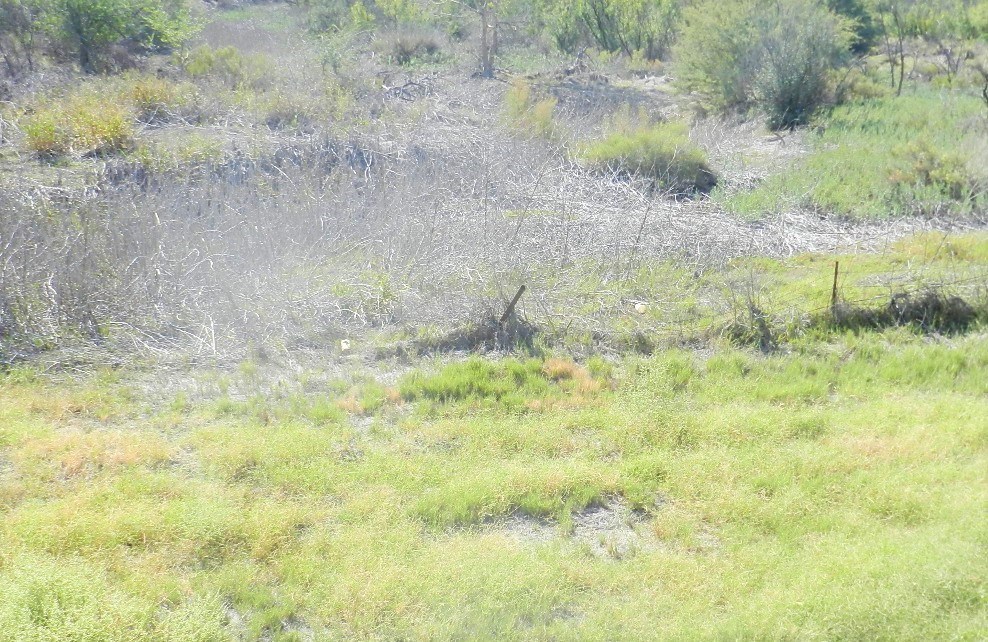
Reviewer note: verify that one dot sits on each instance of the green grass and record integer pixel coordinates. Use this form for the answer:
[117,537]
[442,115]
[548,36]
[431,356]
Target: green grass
[655,303]
[916,154]
[835,492]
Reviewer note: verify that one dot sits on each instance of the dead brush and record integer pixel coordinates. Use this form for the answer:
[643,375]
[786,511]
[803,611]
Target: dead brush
[485,335]
[411,45]
[931,311]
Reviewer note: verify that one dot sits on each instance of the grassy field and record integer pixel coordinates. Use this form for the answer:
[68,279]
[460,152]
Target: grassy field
[293,229]
[919,154]
[832,491]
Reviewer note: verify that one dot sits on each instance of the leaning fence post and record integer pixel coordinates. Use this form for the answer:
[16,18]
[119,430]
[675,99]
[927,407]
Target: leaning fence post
[502,323]
[511,306]
[833,293]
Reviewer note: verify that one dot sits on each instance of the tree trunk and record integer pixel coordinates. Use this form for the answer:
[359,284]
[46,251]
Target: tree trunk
[488,38]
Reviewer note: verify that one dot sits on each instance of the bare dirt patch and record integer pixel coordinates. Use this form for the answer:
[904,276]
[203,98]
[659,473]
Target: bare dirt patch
[611,531]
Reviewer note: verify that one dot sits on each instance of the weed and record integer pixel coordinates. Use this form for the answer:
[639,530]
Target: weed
[228,66]
[156,98]
[526,110]
[409,46]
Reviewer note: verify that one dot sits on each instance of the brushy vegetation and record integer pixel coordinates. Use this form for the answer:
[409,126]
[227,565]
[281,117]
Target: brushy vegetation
[527,110]
[913,155]
[773,56]
[90,29]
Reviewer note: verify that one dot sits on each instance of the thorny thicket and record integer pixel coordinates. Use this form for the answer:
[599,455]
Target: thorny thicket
[424,222]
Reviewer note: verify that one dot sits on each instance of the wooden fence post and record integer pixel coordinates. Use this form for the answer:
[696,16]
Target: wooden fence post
[833,293]
[511,306]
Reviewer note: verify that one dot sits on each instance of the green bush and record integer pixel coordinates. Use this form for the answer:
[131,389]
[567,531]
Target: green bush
[662,153]
[326,15]
[860,21]
[645,27]
[89,27]
[921,164]
[776,57]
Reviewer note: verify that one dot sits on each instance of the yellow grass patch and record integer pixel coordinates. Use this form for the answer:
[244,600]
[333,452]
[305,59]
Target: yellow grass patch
[77,452]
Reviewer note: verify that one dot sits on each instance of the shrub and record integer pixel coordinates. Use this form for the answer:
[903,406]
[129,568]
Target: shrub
[662,153]
[228,66]
[337,14]
[923,165]
[89,27]
[82,125]
[860,21]
[412,45]
[773,56]
[977,20]
[153,97]
[643,27]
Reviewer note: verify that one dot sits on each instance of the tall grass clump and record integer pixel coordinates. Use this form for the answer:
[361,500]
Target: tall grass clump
[227,66]
[82,125]
[412,45]
[661,152]
[526,110]
[155,98]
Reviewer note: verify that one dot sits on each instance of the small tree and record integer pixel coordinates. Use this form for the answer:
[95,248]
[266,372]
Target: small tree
[751,54]
[860,20]
[488,13]
[18,32]
[625,26]
[893,30]
[90,26]
[630,26]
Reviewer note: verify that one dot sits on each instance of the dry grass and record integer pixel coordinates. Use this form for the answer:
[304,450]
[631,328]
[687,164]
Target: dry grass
[76,453]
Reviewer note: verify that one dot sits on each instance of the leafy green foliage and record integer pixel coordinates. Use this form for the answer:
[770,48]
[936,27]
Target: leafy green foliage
[662,152]
[773,56]
[862,23]
[643,27]
[338,14]
[90,26]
